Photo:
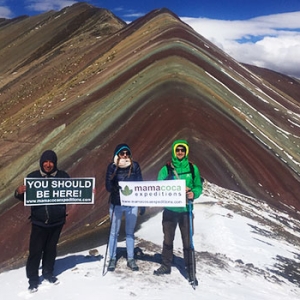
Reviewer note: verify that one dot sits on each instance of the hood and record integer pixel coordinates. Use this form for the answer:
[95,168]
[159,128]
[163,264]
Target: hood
[49,155]
[176,162]
[177,143]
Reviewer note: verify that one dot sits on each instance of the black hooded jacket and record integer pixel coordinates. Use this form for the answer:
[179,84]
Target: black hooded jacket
[47,215]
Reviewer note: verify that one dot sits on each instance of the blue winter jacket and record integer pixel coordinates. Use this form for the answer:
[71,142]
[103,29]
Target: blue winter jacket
[122,174]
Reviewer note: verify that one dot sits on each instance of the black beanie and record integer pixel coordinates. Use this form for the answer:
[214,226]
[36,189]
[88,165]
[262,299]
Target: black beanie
[49,155]
[121,147]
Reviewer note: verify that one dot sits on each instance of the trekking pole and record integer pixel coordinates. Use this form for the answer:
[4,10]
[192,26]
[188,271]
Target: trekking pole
[192,246]
[107,244]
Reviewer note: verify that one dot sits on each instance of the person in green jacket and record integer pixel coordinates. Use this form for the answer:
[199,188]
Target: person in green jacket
[179,168]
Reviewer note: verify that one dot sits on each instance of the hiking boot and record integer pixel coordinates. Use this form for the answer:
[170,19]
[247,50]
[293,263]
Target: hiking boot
[132,264]
[52,279]
[33,287]
[193,281]
[162,270]
[192,278]
[112,265]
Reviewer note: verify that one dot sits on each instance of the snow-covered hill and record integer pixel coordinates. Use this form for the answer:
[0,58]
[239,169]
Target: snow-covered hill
[244,250]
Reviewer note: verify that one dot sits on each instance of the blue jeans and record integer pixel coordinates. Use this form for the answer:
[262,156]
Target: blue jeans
[130,221]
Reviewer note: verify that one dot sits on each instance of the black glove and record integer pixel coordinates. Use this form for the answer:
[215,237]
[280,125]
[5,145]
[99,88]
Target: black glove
[142,210]
[115,187]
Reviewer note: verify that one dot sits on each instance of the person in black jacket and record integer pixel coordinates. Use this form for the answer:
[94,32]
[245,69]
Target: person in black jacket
[123,168]
[46,224]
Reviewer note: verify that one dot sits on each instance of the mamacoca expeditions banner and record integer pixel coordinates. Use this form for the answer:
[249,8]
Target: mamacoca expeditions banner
[153,193]
[41,191]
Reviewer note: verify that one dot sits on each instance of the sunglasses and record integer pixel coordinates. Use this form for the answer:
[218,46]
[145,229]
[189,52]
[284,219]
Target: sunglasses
[123,153]
[180,150]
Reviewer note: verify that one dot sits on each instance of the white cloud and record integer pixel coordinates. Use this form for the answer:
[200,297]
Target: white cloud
[5,12]
[269,41]
[46,5]
[133,15]
[127,13]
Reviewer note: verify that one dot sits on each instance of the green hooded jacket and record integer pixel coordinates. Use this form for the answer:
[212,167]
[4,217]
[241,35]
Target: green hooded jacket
[183,170]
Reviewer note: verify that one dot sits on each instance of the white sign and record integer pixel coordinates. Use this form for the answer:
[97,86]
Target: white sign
[153,193]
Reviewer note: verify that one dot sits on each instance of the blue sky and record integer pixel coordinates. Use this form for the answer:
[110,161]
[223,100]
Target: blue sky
[213,9]
[265,33]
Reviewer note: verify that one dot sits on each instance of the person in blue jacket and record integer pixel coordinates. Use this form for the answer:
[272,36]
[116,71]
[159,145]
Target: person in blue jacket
[122,168]
[47,222]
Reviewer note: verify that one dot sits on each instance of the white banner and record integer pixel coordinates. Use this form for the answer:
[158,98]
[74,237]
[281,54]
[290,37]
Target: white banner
[153,193]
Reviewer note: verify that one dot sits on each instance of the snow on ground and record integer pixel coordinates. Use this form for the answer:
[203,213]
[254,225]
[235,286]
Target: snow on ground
[237,258]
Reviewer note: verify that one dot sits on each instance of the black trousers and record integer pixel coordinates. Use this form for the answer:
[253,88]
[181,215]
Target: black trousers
[42,246]
[169,222]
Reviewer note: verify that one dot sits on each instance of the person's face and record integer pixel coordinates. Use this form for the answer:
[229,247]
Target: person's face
[124,154]
[180,152]
[48,166]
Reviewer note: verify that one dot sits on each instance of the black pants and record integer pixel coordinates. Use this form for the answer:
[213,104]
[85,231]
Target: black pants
[169,223]
[42,245]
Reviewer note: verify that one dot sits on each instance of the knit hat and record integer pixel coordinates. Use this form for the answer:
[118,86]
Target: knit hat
[122,162]
[121,147]
[51,156]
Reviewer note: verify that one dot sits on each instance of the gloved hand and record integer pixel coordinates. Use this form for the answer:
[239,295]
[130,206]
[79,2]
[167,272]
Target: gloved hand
[115,187]
[189,195]
[142,210]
